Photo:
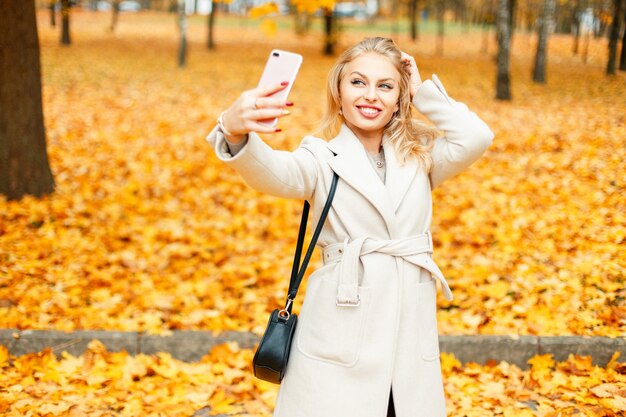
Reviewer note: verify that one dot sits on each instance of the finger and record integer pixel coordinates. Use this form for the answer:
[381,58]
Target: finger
[269,113]
[405,57]
[264,102]
[266,90]
[410,64]
[261,128]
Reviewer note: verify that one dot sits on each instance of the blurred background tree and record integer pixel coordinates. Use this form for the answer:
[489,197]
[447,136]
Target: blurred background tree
[24,167]
[182,28]
[544,27]
[503,78]
[614,36]
[65,22]
[581,19]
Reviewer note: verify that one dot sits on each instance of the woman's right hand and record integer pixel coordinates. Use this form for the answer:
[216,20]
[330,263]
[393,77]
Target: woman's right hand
[411,67]
[252,106]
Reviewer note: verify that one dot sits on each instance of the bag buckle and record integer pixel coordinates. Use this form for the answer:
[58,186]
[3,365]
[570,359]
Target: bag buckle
[349,303]
[284,313]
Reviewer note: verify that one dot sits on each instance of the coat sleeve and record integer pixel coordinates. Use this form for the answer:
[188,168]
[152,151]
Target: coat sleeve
[466,137]
[280,173]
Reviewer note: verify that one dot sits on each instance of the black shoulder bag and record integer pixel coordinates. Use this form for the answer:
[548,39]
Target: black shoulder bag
[270,359]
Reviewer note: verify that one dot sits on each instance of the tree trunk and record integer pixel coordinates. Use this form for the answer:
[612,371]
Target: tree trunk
[211,24]
[441,9]
[503,87]
[512,14]
[586,40]
[65,19]
[182,26]
[511,21]
[576,27]
[414,21]
[115,15]
[547,20]
[53,15]
[329,31]
[24,167]
[622,60]
[614,36]
[302,22]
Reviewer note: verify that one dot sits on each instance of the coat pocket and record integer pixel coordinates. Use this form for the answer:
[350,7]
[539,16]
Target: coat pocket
[328,332]
[427,323]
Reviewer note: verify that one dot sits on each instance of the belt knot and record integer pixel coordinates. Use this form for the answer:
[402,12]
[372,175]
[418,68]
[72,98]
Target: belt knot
[415,249]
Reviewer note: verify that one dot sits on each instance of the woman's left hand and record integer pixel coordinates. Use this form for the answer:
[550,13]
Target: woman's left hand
[411,67]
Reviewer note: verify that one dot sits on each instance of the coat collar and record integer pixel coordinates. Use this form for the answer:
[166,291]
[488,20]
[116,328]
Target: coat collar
[353,166]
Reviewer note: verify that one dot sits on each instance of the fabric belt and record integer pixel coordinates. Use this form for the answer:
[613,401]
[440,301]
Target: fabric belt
[415,249]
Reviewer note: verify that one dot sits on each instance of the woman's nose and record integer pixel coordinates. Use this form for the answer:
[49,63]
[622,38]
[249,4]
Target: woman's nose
[370,93]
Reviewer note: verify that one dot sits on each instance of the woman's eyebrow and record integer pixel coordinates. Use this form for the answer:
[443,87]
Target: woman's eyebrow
[365,76]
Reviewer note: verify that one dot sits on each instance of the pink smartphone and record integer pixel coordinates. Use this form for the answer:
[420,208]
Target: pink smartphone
[281,66]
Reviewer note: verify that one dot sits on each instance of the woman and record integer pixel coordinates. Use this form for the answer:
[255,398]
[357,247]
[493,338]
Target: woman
[366,342]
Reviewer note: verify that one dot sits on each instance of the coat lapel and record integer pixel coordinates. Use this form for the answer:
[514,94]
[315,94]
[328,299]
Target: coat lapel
[353,166]
[398,177]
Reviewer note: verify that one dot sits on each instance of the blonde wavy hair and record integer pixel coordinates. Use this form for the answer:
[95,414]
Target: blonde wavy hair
[409,136]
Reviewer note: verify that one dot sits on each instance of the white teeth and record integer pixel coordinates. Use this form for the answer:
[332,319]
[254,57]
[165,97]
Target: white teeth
[369,110]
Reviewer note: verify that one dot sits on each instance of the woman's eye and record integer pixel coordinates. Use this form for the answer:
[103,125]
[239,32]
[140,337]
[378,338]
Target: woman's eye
[356,82]
[387,86]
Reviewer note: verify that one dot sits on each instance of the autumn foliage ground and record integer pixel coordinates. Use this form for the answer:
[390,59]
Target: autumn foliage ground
[147,231]
[107,384]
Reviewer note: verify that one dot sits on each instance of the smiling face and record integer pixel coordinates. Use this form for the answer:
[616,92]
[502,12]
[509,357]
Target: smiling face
[369,92]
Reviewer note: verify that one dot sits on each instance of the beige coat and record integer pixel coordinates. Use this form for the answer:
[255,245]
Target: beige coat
[368,319]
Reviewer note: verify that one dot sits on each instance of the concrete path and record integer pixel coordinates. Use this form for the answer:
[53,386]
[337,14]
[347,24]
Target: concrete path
[190,346]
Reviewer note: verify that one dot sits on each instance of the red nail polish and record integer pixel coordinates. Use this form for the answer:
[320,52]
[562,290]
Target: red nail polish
[278,130]
[284,83]
[289,104]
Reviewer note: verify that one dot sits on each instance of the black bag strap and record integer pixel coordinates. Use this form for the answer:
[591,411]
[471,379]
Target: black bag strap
[297,272]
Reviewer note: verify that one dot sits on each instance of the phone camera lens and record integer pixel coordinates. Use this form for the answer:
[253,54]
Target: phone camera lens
[275,54]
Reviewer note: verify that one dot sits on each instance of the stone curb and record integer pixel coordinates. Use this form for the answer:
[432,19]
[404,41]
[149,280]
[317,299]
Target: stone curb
[190,346]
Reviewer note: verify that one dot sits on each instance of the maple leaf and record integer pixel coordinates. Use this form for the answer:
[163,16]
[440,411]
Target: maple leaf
[263,10]
[4,356]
